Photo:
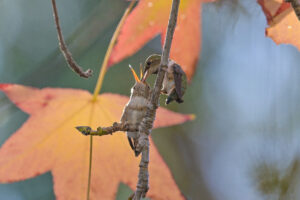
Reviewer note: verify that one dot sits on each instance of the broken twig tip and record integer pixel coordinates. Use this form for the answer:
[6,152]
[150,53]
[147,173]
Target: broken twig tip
[85,130]
[88,73]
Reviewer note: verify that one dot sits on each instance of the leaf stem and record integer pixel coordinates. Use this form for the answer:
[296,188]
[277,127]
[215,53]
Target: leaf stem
[90,168]
[109,50]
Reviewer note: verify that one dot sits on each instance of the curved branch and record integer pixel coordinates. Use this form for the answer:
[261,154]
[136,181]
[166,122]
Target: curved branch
[64,49]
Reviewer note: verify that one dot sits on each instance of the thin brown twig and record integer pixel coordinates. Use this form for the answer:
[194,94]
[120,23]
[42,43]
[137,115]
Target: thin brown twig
[64,49]
[86,130]
[147,123]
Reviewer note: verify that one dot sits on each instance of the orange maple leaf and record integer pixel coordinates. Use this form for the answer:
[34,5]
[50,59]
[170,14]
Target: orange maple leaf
[150,18]
[48,141]
[284,26]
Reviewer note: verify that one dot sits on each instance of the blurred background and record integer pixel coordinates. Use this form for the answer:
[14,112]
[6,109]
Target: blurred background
[245,141]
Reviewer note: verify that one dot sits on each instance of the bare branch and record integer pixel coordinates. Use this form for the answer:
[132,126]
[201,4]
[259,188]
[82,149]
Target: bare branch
[147,123]
[64,49]
[86,130]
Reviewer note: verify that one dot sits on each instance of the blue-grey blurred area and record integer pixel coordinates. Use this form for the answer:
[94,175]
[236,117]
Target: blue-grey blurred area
[244,143]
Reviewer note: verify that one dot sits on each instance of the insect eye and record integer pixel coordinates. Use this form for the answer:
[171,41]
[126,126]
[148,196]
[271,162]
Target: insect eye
[149,63]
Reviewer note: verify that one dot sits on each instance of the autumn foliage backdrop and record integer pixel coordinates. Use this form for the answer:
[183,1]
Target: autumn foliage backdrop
[244,93]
